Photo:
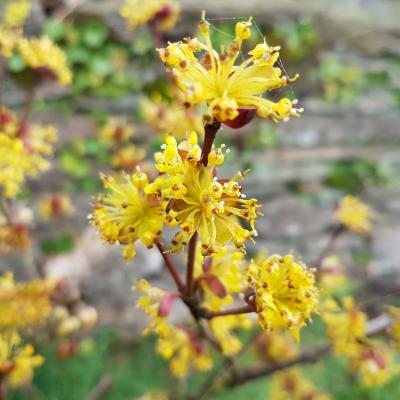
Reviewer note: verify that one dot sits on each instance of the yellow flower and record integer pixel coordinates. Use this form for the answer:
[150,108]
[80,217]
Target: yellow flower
[331,275]
[24,304]
[346,328]
[223,330]
[224,86]
[128,157]
[374,365]
[16,13]
[184,350]
[127,213]
[8,40]
[13,237]
[17,361]
[116,131]
[276,347]
[23,148]
[46,57]
[55,205]
[172,117]
[354,215]
[284,292]
[394,329]
[150,304]
[199,201]
[162,13]
[292,385]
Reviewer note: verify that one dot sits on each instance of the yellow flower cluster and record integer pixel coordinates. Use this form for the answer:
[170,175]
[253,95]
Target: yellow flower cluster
[115,131]
[292,385]
[174,118]
[24,304]
[227,88]
[23,150]
[42,55]
[13,237]
[127,213]
[150,304]
[276,347]
[17,361]
[198,200]
[285,294]
[163,14]
[331,275]
[55,205]
[184,350]
[128,157]
[354,215]
[394,330]
[14,17]
[16,13]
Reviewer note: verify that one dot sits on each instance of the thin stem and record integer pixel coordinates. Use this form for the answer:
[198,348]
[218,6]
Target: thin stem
[5,211]
[171,266]
[210,130]
[329,246]
[190,265]
[29,97]
[230,311]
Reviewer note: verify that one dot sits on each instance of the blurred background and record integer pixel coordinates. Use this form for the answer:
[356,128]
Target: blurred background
[347,53]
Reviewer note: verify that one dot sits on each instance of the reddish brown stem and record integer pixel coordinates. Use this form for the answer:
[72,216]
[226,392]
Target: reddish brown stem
[29,98]
[230,311]
[329,246]
[171,266]
[210,130]
[190,265]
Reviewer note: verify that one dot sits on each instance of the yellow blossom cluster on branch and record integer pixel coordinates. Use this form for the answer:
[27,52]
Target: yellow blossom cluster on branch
[55,205]
[162,14]
[354,215]
[115,131]
[227,88]
[285,295]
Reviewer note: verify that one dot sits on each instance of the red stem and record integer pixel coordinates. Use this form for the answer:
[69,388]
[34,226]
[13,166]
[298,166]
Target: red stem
[210,130]
[171,266]
[190,264]
[230,311]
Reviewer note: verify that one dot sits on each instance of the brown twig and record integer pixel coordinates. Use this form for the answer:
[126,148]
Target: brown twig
[190,265]
[102,387]
[329,246]
[210,130]
[5,210]
[230,311]
[27,108]
[171,266]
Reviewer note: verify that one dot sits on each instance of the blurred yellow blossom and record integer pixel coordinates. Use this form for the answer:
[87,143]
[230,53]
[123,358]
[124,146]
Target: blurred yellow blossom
[128,157]
[199,201]
[127,213]
[24,304]
[161,13]
[13,237]
[394,329]
[55,205]
[116,130]
[42,55]
[150,304]
[184,350]
[292,385]
[17,361]
[284,292]
[331,275]
[346,328]
[172,117]
[228,88]
[16,13]
[354,215]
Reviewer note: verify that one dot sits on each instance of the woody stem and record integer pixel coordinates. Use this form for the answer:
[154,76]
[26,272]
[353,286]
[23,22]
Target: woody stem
[329,246]
[171,266]
[210,130]
[190,264]
[230,311]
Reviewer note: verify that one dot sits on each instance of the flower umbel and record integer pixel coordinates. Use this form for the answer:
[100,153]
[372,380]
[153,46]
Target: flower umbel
[354,215]
[127,213]
[285,294]
[199,201]
[227,88]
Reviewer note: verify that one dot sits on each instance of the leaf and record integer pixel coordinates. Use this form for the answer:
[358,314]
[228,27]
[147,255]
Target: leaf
[59,244]
[166,304]
[16,64]
[94,34]
[216,286]
[54,29]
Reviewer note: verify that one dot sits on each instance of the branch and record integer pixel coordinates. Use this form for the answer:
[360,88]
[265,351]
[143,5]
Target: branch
[230,311]
[102,387]
[374,326]
[210,130]
[171,266]
[190,264]
[329,246]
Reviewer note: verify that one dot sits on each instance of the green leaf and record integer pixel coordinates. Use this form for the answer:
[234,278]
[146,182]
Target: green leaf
[73,165]
[55,29]
[60,244]
[16,63]
[94,34]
